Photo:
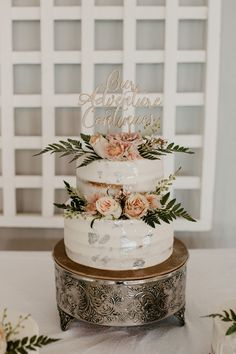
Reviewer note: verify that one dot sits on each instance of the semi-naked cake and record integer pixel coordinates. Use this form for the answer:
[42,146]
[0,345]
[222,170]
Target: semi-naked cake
[118,244]
[119,215]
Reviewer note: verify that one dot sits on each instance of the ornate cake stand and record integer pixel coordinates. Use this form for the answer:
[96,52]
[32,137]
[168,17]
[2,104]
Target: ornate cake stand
[120,298]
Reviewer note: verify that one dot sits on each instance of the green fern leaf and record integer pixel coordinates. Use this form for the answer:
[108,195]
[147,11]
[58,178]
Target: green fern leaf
[90,158]
[165,198]
[231,330]
[170,204]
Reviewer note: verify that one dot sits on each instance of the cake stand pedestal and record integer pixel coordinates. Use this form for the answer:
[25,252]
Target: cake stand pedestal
[120,298]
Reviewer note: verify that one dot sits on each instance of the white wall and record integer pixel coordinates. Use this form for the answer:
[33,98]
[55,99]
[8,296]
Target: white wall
[223,233]
[224,225]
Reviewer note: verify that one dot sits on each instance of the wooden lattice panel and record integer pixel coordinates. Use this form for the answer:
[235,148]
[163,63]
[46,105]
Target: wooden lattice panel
[42,76]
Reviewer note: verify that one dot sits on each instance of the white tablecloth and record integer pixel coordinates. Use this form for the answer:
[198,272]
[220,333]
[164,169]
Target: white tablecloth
[27,285]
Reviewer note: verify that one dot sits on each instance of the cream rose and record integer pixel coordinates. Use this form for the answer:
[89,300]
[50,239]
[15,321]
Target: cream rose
[99,144]
[136,206]
[3,343]
[115,150]
[154,201]
[108,206]
[127,138]
[91,206]
[132,153]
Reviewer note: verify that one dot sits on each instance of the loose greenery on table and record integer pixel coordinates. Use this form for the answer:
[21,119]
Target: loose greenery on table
[227,316]
[22,346]
[26,344]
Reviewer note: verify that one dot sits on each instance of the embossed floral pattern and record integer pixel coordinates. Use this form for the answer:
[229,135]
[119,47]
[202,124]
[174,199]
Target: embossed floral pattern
[115,304]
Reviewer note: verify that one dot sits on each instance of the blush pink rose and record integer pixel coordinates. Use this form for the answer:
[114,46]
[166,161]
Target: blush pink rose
[91,206]
[154,201]
[99,144]
[115,150]
[108,206]
[132,153]
[127,138]
[136,206]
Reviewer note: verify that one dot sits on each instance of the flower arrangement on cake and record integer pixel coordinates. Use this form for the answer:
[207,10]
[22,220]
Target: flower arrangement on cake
[150,207]
[114,147]
[119,215]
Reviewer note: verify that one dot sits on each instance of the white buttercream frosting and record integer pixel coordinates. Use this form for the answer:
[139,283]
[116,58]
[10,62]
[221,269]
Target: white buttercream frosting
[133,176]
[117,245]
[121,172]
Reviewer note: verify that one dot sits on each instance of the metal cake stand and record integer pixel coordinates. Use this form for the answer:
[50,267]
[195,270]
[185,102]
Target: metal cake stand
[120,298]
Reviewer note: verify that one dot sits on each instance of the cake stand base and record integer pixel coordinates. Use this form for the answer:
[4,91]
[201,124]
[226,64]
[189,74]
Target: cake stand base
[120,298]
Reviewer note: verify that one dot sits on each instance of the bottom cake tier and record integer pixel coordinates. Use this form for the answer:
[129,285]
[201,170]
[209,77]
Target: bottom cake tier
[117,245]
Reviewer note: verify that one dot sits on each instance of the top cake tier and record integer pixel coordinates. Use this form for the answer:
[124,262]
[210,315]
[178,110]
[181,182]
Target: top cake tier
[134,176]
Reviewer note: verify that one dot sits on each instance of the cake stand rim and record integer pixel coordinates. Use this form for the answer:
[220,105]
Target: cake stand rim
[176,261]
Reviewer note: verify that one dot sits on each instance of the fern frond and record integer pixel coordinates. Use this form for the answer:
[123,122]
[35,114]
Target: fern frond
[153,148]
[227,316]
[77,203]
[90,157]
[169,212]
[73,147]
[26,344]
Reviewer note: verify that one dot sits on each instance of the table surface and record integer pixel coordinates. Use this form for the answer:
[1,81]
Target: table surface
[27,285]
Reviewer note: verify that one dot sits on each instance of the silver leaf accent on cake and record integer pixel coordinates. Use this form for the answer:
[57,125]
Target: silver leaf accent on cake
[139,263]
[92,237]
[119,176]
[95,258]
[128,244]
[128,187]
[117,224]
[147,239]
[100,174]
[105,260]
[104,239]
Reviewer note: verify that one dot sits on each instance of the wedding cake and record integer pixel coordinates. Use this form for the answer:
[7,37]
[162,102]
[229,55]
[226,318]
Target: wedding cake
[119,215]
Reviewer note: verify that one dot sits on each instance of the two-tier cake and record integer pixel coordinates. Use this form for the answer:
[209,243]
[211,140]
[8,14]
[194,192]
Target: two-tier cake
[119,216]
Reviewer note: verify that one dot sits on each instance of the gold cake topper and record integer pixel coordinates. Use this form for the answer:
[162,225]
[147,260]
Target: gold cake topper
[120,99]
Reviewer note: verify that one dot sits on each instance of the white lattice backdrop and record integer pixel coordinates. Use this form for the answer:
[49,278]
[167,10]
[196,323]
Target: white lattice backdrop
[51,51]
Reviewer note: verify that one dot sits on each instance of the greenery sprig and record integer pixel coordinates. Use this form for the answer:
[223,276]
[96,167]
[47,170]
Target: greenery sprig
[227,316]
[170,210]
[75,148]
[22,346]
[164,184]
[9,330]
[77,203]
[153,148]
